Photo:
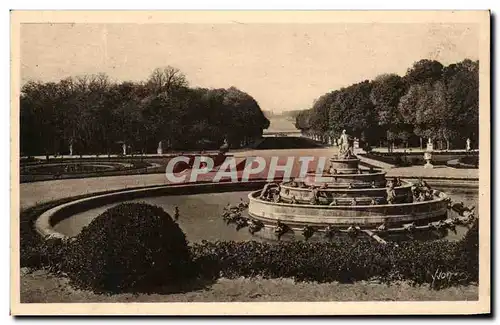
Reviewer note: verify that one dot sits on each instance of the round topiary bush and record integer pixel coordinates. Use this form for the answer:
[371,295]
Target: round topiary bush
[131,247]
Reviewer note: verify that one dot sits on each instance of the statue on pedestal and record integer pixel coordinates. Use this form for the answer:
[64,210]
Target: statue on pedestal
[224,148]
[430,145]
[428,154]
[345,148]
[159,150]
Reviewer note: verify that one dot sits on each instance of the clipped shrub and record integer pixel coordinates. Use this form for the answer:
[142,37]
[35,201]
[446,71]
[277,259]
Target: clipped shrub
[344,261]
[468,254]
[131,247]
[37,252]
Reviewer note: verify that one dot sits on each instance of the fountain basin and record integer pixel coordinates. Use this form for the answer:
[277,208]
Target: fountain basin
[364,216]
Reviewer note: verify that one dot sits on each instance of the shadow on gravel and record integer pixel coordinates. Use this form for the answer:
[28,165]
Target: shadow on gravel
[288,143]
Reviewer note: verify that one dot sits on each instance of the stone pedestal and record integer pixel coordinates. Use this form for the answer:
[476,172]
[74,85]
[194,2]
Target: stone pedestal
[428,158]
[344,166]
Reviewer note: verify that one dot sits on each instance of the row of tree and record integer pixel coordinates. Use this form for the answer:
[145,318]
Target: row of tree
[430,101]
[92,115]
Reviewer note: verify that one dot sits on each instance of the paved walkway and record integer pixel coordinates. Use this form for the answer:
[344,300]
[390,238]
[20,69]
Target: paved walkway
[376,163]
[443,172]
[39,192]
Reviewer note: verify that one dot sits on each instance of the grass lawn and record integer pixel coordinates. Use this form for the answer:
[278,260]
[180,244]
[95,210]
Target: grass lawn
[41,287]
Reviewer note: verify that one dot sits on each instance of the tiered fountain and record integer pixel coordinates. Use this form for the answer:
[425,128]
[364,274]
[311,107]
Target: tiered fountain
[347,200]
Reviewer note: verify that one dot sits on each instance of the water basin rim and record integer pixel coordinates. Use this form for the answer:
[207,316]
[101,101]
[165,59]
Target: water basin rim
[344,175]
[252,197]
[44,225]
[344,159]
[345,190]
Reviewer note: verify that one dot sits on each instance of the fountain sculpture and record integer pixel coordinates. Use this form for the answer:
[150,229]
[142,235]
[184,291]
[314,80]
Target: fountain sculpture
[347,200]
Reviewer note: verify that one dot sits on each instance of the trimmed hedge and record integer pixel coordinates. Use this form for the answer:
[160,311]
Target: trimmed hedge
[35,251]
[41,172]
[344,261]
[402,159]
[75,168]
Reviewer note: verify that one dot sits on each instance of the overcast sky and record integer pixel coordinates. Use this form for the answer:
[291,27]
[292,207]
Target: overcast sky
[283,66]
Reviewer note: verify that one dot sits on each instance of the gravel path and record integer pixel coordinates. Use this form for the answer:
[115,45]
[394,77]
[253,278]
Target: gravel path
[41,287]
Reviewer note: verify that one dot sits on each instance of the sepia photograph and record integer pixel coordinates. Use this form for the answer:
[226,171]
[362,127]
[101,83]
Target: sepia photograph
[250,163]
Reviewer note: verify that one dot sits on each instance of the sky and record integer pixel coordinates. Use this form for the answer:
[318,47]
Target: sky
[283,66]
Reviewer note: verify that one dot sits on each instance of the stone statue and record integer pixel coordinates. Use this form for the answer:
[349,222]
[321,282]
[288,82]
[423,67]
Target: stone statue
[391,193]
[224,148]
[430,145]
[266,191]
[467,145]
[345,150]
[159,150]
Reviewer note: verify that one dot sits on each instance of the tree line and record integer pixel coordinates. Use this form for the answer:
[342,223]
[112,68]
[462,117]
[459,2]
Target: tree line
[429,101]
[93,115]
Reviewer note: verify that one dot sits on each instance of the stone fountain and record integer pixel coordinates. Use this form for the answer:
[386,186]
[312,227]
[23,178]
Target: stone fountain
[348,200]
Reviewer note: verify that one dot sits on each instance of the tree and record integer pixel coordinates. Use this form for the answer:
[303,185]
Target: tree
[93,114]
[424,71]
[462,97]
[166,79]
[425,107]
[429,101]
[353,110]
[386,92]
[244,114]
[302,121]
[128,126]
[40,104]
[319,116]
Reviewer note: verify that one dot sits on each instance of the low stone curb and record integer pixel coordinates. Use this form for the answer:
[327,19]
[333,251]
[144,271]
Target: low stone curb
[44,223]
[375,163]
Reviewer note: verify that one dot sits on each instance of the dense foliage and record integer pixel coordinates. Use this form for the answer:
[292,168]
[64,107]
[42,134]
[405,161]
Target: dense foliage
[430,101]
[130,247]
[343,261]
[95,116]
[469,251]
